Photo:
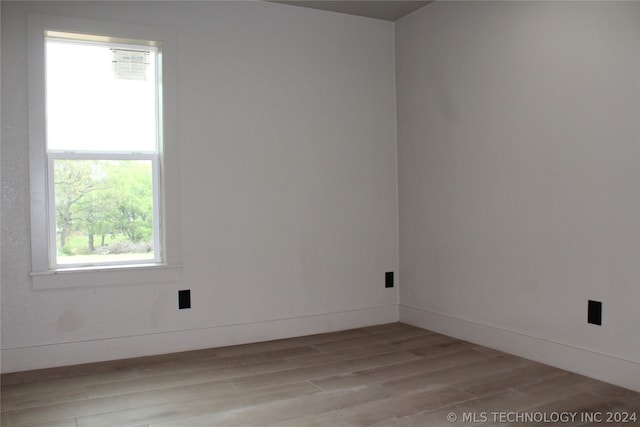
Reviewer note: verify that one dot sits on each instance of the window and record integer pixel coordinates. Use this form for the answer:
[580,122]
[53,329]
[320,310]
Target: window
[102,150]
[102,153]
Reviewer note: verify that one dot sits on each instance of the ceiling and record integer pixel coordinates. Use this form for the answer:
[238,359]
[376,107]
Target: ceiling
[388,10]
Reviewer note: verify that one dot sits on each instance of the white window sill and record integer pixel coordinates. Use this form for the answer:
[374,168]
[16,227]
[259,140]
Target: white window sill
[106,275]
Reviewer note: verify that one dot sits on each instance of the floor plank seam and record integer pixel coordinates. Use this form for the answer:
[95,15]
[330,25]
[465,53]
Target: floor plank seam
[314,385]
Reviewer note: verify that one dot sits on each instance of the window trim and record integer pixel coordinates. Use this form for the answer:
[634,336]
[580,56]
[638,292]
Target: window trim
[43,276]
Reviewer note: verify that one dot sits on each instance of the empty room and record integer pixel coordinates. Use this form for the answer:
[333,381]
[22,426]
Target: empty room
[349,213]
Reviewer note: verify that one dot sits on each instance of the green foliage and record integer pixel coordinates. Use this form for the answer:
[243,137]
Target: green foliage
[111,200]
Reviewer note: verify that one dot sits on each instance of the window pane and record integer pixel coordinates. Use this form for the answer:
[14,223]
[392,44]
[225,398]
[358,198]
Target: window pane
[103,211]
[99,98]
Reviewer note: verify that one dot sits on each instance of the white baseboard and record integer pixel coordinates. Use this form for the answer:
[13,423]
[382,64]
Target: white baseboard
[73,353]
[604,367]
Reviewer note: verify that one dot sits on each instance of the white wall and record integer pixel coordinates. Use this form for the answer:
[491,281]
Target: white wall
[518,135]
[288,186]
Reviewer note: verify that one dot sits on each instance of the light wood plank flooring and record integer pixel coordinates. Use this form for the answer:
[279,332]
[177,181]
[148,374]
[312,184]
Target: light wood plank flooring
[387,375]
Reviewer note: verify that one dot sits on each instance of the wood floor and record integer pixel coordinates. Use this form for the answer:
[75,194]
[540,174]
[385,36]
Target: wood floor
[388,375]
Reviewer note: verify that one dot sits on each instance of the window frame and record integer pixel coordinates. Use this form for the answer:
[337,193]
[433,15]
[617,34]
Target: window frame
[44,276]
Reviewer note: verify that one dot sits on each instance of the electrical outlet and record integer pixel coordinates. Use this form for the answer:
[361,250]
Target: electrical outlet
[184,299]
[594,312]
[388,279]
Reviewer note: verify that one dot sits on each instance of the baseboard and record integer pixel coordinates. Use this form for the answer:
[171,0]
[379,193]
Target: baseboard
[604,367]
[73,353]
